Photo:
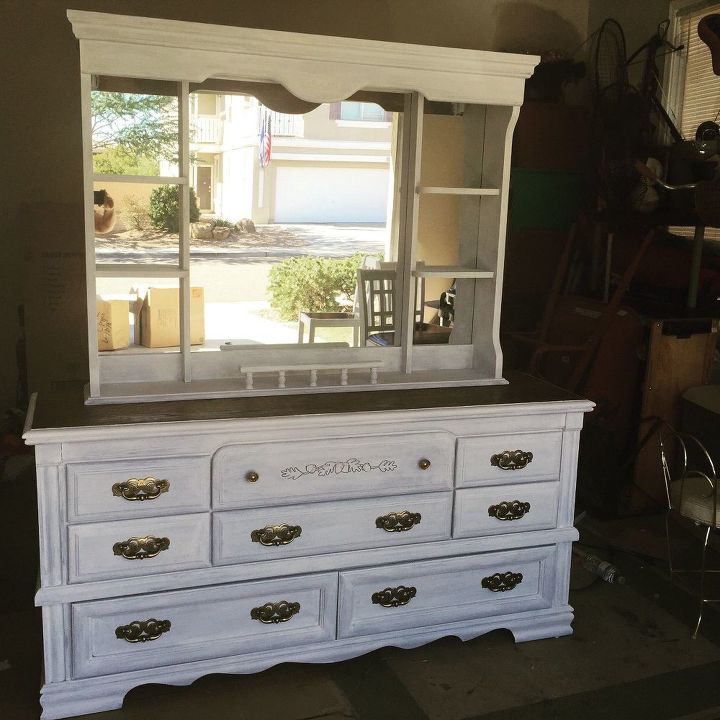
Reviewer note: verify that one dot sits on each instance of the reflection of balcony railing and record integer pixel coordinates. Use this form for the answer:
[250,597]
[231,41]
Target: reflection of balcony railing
[206,130]
[287,125]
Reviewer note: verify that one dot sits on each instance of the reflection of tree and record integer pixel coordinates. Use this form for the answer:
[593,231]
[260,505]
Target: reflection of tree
[132,131]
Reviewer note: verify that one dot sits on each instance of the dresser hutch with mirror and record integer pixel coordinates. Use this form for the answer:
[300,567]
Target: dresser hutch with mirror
[228,505]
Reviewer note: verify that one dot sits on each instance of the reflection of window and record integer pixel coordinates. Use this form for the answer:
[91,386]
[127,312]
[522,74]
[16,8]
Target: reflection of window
[362,112]
[206,104]
[693,88]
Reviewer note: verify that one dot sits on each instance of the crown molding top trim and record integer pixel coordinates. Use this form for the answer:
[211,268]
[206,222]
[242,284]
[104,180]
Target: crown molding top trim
[315,68]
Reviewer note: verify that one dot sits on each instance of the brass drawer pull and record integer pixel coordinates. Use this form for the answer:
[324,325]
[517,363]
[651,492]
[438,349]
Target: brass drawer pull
[394,597]
[148,488]
[276,534]
[252,476]
[424,464]
[273,613]
[142,630]
[509,510]
[398,521]
[511,459]
[502,582]
[141,548]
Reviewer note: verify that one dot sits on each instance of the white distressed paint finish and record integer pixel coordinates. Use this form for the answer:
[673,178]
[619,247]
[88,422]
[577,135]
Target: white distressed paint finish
[90,487]
[329,527]
[335,468]
[316,68]
[447,590]
[204,623]
[91,555]
[474,458]
[473,519]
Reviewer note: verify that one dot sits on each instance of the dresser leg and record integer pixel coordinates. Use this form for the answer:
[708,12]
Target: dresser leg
[61,700]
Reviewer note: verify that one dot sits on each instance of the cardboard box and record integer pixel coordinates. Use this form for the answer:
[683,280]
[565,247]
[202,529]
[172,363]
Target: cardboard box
[113,323]
[160,317]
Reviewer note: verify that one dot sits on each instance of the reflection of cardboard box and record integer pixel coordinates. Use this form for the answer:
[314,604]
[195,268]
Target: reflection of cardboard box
[113,324]
[429,334]
[160,317]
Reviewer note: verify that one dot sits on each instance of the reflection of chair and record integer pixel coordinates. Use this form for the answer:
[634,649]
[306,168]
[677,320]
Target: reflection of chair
[314,320]
[376,293]
[693,496]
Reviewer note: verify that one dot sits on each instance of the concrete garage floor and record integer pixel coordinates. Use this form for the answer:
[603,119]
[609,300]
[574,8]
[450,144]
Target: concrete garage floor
[631,657]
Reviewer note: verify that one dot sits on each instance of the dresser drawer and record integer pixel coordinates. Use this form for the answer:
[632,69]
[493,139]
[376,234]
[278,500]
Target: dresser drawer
[137,487]
[331,469]
[434,592]
[127,548]
[201,623]
[506,508]
[294,530]
[495,459]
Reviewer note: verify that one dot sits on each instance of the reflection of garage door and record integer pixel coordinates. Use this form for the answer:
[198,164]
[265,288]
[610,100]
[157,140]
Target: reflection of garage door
[331,195]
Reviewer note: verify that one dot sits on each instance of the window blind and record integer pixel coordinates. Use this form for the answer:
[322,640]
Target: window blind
[701,99]
[701,96]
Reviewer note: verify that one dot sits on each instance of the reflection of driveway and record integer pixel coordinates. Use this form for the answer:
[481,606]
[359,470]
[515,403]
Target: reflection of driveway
[271,244]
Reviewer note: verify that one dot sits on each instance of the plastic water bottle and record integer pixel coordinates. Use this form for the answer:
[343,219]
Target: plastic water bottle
[607,571]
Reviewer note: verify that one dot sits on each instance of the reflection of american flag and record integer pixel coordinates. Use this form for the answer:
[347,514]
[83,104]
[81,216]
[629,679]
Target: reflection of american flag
[265,145]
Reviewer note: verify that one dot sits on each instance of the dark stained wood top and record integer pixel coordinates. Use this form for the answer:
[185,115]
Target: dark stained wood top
[67,409]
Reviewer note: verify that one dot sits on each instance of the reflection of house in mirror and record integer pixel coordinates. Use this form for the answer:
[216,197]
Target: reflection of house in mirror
[331,165]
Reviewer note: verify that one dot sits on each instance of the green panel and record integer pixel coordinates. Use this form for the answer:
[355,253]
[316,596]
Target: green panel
[544,199]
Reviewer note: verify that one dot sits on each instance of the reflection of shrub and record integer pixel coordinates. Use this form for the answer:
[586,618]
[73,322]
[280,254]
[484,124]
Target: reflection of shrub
[136,211]
[163,209]
[311,284]
[222,222]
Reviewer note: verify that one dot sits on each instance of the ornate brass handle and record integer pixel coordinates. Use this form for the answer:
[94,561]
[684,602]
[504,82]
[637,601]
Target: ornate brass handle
[502,582]
[398,521]
[509,510]
[276,534]
[273,613]
[252,476]
[394,597]
[148,488]
[141,548]
[511,459]
[424,464]
[142,630]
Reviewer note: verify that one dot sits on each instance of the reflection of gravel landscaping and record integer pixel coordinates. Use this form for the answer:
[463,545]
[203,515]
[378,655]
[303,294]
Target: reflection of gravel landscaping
[152,240]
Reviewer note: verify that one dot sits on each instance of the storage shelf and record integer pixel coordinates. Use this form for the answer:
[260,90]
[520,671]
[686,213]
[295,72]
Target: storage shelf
[453,271]
[430,190]
[131,270]
[145,179]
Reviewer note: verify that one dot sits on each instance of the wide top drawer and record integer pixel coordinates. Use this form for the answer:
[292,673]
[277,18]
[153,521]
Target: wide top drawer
[260,474]
[137,487]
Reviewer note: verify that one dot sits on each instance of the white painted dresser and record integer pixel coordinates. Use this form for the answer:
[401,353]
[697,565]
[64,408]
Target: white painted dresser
[180,539]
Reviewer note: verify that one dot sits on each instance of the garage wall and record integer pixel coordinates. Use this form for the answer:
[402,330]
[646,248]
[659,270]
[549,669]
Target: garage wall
[42,181]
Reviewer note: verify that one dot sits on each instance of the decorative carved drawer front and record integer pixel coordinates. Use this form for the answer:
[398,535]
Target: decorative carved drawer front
[141,487]
[127,548]
[433,592]
[332,469]
[201,623]
[294,530]
[496,459]
[505,509]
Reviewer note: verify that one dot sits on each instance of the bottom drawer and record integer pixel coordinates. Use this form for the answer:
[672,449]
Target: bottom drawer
[435,592]
[146,631]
